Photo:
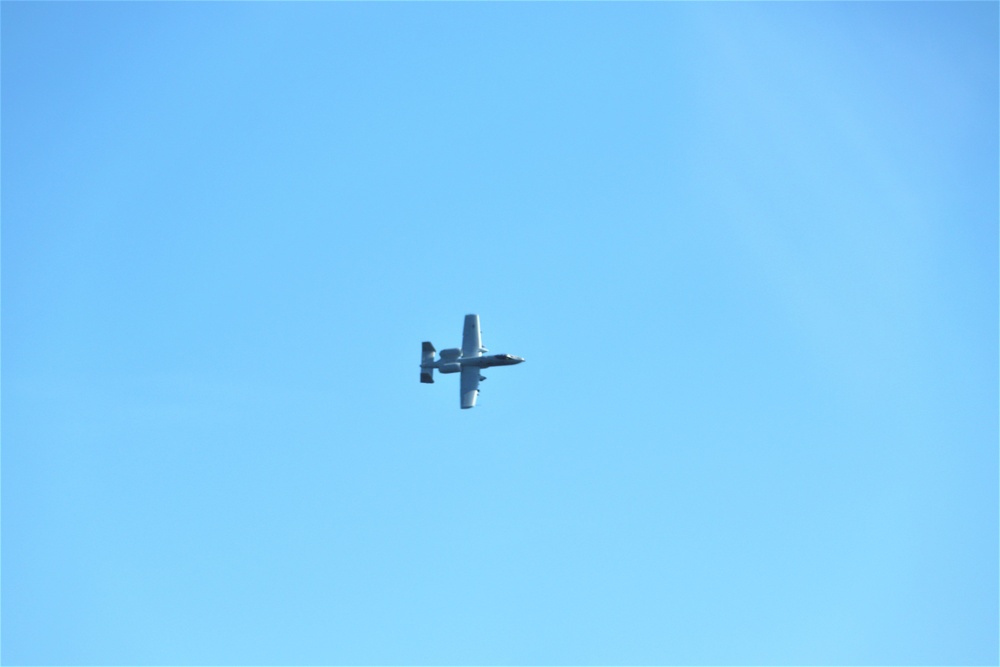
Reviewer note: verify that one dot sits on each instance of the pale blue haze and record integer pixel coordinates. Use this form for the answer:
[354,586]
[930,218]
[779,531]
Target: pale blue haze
[749,251]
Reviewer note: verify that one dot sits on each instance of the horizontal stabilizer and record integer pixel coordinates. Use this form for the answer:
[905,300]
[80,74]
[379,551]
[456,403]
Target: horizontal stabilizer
[426,359]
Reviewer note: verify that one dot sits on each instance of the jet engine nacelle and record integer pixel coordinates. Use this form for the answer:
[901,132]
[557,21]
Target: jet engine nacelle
[450,368]
[451,354]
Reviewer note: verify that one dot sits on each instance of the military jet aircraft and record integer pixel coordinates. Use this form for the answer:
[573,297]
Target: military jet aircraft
[468,361]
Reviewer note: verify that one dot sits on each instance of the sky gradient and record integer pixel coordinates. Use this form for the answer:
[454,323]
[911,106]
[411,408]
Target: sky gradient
[749,251]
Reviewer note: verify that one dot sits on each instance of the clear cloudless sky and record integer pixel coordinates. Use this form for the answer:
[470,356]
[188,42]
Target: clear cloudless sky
[749,251]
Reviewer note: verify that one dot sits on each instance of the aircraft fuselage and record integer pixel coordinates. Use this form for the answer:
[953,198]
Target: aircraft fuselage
[483,361]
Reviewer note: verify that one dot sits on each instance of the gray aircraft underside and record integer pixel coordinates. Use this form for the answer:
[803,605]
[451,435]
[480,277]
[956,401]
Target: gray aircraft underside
[467,360]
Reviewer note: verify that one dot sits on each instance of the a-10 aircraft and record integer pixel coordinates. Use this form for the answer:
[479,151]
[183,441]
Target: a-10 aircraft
[468,361]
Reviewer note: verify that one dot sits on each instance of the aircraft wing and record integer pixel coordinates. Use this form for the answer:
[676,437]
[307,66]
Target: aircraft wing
[472,339]
[470,384]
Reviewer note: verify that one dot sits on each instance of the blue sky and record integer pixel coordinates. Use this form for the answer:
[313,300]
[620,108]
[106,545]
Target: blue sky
[749,251]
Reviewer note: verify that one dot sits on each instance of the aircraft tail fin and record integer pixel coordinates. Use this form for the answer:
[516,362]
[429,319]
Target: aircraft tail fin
[427,358]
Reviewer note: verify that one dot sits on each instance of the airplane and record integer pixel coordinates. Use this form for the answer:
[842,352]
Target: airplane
[467,360]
